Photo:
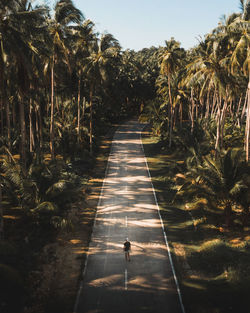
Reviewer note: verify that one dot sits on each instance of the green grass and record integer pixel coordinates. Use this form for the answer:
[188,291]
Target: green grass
[212,264]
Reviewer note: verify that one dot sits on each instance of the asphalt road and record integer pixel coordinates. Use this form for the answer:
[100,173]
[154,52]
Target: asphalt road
[127,208]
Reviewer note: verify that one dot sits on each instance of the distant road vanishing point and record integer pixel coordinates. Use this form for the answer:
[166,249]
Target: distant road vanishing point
[128,209]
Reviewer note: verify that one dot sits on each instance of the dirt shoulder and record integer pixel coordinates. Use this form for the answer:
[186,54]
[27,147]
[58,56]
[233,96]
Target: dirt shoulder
[62,262]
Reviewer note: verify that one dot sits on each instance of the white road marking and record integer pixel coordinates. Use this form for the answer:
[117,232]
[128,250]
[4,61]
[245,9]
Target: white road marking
[126,279]
[126,221]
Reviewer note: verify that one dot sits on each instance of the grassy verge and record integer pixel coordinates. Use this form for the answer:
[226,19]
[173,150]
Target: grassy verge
[212,264]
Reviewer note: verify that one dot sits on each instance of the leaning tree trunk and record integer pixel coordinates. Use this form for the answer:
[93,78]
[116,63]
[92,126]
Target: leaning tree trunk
[243,112]
[192,111]
[37,134]
[223,118]
[52,134]
[31,133]
[218,132]
[213,105]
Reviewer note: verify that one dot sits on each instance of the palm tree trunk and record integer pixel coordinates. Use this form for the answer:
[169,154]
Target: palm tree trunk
[1,117]
[197,109]
[23,134]
[181,113]
[52,135]
[223,118]
[170,114]
[244,108]
[214,104]
[2,91]
[13,114]
[39,113]
[237,120]
[31,135]
[192,111]
[83,109]
[218,119]
[37,134]
[91,120]
[8,124]
[1,216]
[247,133]
[78,109]
[207,105]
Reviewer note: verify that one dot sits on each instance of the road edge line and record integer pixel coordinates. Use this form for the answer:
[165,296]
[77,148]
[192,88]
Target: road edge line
[96,213]
[163,229]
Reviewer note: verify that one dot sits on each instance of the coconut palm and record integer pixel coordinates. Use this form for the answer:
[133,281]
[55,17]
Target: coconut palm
[169,60]
[220,180]
[103,52]
[84,36]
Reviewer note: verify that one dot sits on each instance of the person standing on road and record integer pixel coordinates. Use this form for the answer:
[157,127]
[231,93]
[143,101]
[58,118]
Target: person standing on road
[127,248]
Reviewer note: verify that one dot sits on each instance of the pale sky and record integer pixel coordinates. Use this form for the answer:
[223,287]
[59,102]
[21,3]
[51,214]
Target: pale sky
[139,24]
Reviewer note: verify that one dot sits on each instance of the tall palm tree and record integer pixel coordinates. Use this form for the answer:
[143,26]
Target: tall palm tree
[83,39]
[169,60]
[103,52]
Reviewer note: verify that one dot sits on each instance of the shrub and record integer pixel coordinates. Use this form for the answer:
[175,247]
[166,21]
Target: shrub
[216,256]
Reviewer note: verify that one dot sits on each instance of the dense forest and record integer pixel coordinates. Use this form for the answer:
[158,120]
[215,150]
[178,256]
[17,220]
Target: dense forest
[63,86]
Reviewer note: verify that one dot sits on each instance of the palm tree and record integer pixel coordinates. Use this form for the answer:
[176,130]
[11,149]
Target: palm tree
[84,37]
[169,60]
[217,179]
[103,52]
[65,14]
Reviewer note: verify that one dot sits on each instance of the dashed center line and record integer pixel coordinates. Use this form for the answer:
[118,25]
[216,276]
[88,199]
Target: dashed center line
[126,279]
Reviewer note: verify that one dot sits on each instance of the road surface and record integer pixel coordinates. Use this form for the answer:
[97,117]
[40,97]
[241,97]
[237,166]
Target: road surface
[127,208]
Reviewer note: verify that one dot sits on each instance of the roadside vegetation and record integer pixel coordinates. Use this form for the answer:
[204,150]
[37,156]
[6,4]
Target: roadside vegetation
[63,87]
[211,257]
[198,155]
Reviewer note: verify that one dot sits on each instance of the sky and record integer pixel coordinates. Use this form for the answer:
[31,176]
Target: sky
[139,24]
